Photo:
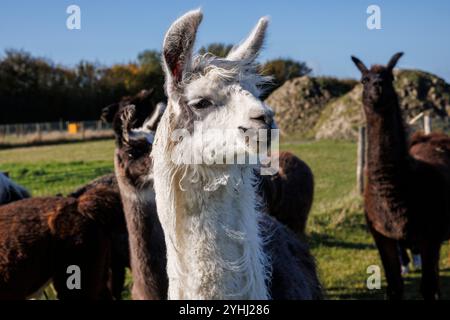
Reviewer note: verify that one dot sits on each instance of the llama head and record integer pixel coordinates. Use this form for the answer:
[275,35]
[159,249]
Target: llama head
[134,138]
[378,84]
[218,96]
[142,101]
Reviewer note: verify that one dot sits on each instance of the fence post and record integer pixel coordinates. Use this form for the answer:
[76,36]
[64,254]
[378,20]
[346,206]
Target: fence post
[39,132]
[361,160]
[427,126]
[82,131]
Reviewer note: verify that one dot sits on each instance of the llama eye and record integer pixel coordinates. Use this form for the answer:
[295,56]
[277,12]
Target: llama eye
[201,103]
[365,80]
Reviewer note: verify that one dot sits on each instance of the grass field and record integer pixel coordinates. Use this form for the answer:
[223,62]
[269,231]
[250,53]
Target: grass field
[337,233]
[48,170]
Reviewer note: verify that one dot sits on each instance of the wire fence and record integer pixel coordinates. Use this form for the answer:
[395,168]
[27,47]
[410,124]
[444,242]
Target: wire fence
[41,132]
[426,123]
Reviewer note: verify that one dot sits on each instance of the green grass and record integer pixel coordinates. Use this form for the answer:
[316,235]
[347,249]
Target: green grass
[102,150]
[49,170]
[336,229]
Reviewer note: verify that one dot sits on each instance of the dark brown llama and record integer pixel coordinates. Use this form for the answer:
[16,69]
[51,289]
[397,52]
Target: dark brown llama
[143,101]
[134,132]
[432,148]
[406,198]
[41,237]
[119,235]
[288,195]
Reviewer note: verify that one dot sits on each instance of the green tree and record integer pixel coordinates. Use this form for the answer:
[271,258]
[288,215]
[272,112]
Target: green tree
[150,74]
[283,70]
[218,49]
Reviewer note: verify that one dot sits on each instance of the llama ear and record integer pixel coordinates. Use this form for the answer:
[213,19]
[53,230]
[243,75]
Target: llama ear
[127,116]
[249,49]
[109,112]
[360,65]
[177,47]
[152,123]
[145,94]
[391,64]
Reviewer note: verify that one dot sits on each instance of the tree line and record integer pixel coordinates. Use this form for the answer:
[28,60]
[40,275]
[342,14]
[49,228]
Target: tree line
[35,89]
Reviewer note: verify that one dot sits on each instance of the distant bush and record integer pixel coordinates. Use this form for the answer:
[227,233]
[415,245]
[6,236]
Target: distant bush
[283,70]
[34,89]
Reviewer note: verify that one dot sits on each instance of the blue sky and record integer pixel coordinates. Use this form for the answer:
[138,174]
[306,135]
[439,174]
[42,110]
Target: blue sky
[322,33]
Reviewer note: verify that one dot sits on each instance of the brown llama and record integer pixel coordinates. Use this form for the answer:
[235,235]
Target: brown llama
[144,98]
[134,137]
[407,194]
[41,237]
[119,235]
[432,148]
[288,195]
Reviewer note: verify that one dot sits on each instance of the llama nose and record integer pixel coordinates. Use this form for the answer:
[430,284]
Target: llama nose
[244,129]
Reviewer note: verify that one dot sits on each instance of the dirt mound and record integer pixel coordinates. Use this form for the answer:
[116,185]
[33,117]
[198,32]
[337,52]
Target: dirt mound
[418,91]
[299,102]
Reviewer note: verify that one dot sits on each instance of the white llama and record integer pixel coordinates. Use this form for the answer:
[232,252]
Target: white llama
[218,245]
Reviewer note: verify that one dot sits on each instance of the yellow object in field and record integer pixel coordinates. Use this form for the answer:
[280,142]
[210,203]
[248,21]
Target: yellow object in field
[73,128]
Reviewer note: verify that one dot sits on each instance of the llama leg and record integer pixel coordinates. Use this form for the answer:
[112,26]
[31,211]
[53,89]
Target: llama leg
[430,270]
[93,257]
[94,277]
[391,264]
[117,278]
[404,257]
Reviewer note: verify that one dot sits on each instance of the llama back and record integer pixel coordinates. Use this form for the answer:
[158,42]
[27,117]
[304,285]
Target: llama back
[289,255]
[288,195]
[108,180]
[102,204]
[25,231]
[433,149]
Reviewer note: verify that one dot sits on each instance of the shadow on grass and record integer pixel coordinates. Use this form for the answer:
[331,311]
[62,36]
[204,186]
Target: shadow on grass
[411,283]
[320,239]
[342,293]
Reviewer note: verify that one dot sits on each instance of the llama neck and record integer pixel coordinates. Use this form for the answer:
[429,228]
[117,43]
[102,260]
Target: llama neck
[214,246]
[147,251]
[388,164]
[387,151]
